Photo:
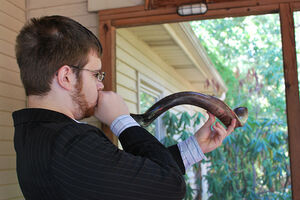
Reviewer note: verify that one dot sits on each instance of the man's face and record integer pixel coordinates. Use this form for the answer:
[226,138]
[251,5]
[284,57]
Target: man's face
[85,93]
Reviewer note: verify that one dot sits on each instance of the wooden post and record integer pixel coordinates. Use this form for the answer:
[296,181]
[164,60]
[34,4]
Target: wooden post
[108,40]
[292,93]
[147,5]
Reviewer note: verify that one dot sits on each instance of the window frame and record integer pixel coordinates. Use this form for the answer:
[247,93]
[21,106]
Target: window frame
[144,15]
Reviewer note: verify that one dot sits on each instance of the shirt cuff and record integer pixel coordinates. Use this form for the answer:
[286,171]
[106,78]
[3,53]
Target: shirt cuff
[190,151]
[121,123]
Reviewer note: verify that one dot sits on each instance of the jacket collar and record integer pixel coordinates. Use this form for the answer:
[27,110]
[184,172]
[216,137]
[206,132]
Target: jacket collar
[38,114]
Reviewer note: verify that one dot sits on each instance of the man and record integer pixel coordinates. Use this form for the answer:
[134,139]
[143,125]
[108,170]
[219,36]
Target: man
[61,158]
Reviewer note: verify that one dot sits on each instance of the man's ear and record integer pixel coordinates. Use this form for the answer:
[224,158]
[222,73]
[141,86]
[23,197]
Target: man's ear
[65,77]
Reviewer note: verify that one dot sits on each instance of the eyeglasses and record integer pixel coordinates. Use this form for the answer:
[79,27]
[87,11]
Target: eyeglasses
[99,75]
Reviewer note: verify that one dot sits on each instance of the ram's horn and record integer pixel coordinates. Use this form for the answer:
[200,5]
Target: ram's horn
[207,102]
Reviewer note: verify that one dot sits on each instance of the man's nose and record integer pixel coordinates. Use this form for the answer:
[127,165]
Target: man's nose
[100,85]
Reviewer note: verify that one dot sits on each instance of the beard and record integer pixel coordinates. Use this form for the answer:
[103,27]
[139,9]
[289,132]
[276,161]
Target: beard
[83,110]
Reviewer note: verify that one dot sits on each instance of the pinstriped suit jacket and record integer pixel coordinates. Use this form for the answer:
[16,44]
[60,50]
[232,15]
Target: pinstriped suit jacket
[58,158]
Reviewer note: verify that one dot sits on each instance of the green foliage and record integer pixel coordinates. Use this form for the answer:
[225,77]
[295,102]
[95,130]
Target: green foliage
[247,53]
[253,161]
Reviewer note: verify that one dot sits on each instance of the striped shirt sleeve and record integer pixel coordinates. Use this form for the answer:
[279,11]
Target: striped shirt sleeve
[121,123]
[190,150]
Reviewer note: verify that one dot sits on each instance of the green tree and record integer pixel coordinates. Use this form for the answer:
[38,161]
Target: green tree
[253,162]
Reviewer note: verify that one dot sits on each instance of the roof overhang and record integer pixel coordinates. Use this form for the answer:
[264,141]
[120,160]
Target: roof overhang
[179,47]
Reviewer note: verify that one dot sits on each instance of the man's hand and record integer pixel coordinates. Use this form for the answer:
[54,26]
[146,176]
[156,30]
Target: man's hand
[209,139]
[110,106]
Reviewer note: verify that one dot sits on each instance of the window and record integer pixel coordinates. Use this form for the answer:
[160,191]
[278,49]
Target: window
[148,95]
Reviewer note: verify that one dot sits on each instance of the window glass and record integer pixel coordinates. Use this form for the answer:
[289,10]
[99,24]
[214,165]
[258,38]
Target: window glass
[146,101]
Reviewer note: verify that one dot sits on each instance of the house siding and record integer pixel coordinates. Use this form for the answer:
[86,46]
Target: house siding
[13,15]
[12,95]
[136,57]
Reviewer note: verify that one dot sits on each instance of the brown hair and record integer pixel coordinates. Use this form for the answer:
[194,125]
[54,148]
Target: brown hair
[47,43]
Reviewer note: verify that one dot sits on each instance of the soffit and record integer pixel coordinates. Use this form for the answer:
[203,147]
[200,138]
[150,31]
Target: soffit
[177,45]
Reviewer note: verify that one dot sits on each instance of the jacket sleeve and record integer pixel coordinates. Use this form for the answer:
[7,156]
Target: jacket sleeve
[174,150]
[136,140]
[89,166]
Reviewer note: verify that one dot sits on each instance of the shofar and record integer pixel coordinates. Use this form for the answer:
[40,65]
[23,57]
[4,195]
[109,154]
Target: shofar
[207,102]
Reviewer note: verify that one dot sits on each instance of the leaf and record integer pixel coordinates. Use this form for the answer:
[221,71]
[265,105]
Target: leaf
[185,135]
[197,118]
[184,120]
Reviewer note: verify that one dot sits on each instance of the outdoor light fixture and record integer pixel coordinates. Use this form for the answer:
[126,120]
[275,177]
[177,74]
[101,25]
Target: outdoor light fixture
[192,9]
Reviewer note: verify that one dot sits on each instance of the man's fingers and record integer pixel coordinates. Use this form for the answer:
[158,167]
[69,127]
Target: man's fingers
[221,130]
[211,119]
[231,127]
[220,133]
